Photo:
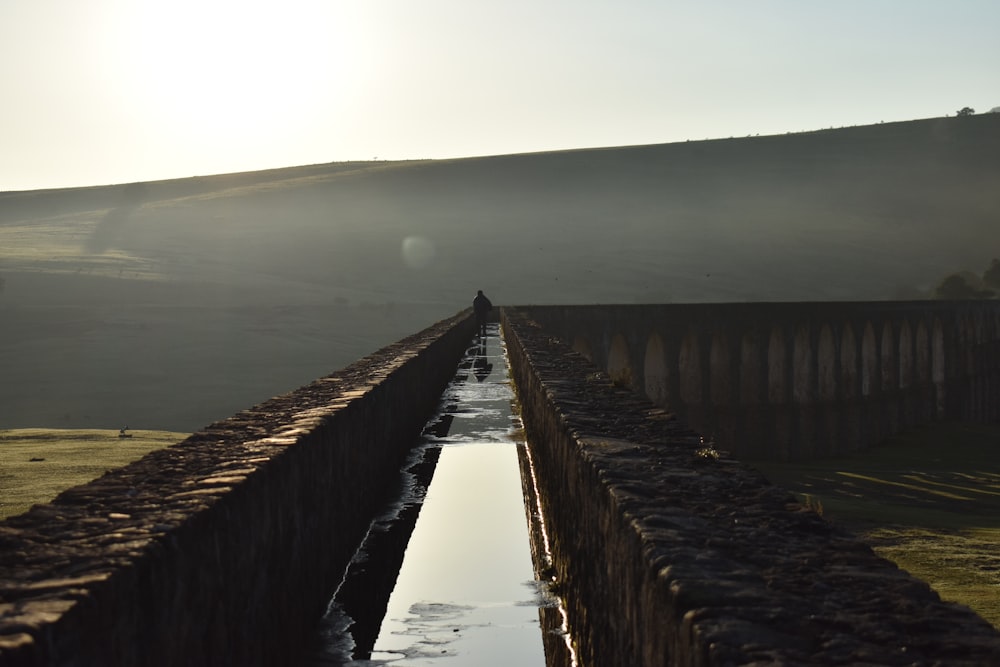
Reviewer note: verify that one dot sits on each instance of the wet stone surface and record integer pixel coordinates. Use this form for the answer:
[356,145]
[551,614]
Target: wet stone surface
[446,575]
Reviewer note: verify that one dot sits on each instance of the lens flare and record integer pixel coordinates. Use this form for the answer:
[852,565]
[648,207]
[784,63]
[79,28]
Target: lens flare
[418,252]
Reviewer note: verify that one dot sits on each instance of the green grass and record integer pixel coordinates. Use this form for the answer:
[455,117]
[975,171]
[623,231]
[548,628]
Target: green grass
[928,500]
[37,464]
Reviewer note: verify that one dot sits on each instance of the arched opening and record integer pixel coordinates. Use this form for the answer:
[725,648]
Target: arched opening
[849,436]
[750,376]
[826,364]
[967,339]
[689,368]
[938,368]
[619,368]
[937,353]
[888,359]
[720,383]
[802,371]
[848,363]
[777,391]
[905,356]
[655,370]
[922,354]
[581,345]
[869,358]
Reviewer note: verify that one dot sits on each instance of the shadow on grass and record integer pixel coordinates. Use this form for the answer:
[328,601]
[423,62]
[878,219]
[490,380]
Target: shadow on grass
[944,475]
[38,464]
[928,500]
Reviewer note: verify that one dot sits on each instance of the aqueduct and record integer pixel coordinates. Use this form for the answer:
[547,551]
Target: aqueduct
[224,549]
[796,380]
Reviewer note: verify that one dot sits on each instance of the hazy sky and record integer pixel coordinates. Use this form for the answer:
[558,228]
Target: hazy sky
[112,91]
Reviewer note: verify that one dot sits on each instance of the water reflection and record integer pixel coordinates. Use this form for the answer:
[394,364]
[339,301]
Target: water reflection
[466,585]
[482,367]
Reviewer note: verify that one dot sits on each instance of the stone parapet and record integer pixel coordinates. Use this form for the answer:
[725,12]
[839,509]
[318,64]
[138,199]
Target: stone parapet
[667,552]
[796,381]
[225,548]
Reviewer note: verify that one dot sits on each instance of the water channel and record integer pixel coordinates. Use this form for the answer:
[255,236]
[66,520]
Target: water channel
[446,576]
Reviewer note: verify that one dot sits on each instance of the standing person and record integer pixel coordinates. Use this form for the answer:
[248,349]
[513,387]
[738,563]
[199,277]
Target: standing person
[482,306]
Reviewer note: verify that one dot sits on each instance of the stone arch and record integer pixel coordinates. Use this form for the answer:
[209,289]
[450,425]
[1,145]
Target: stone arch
[777,391]
[888,358]
[689,370]
[802,368]
[977,366]
[619,366]
[720,378]
[922,355]
[826,364]
[905,356]
[750,370]
[869,360]
[978,356]
[655,370]
[848,363]
[980,326]
[937,353]
[938,368]
[967,338]
[581,345]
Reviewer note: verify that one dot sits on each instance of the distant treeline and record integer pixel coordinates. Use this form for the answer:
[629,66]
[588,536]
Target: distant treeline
[969,285]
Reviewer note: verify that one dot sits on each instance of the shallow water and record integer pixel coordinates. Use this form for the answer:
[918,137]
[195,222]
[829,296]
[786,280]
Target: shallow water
[466,591]
[467,585]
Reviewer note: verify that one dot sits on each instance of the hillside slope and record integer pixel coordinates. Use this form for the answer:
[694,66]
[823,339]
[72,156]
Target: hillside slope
[173,303]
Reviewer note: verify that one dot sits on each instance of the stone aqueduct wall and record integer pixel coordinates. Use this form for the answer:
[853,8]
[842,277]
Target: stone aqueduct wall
[223,549]
[668,554]
[797,380]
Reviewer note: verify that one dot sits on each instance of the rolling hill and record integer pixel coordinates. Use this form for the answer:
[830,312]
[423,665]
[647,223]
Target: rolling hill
[170,304]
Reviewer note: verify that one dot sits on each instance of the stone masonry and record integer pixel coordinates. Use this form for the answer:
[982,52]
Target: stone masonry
[669,553]
[223,549]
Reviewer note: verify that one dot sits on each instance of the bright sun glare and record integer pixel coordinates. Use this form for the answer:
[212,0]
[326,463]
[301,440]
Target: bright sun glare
[227,67]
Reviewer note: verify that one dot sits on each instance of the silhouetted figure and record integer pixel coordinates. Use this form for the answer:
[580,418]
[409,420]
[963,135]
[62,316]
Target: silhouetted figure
[482,307]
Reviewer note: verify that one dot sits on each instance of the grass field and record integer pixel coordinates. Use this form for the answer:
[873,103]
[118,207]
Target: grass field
[37,464]
[928,500]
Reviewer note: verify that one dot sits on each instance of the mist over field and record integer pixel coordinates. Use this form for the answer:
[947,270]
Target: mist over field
[169,305]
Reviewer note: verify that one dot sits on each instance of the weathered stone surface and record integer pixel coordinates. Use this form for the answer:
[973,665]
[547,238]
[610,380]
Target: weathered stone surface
[669,553]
